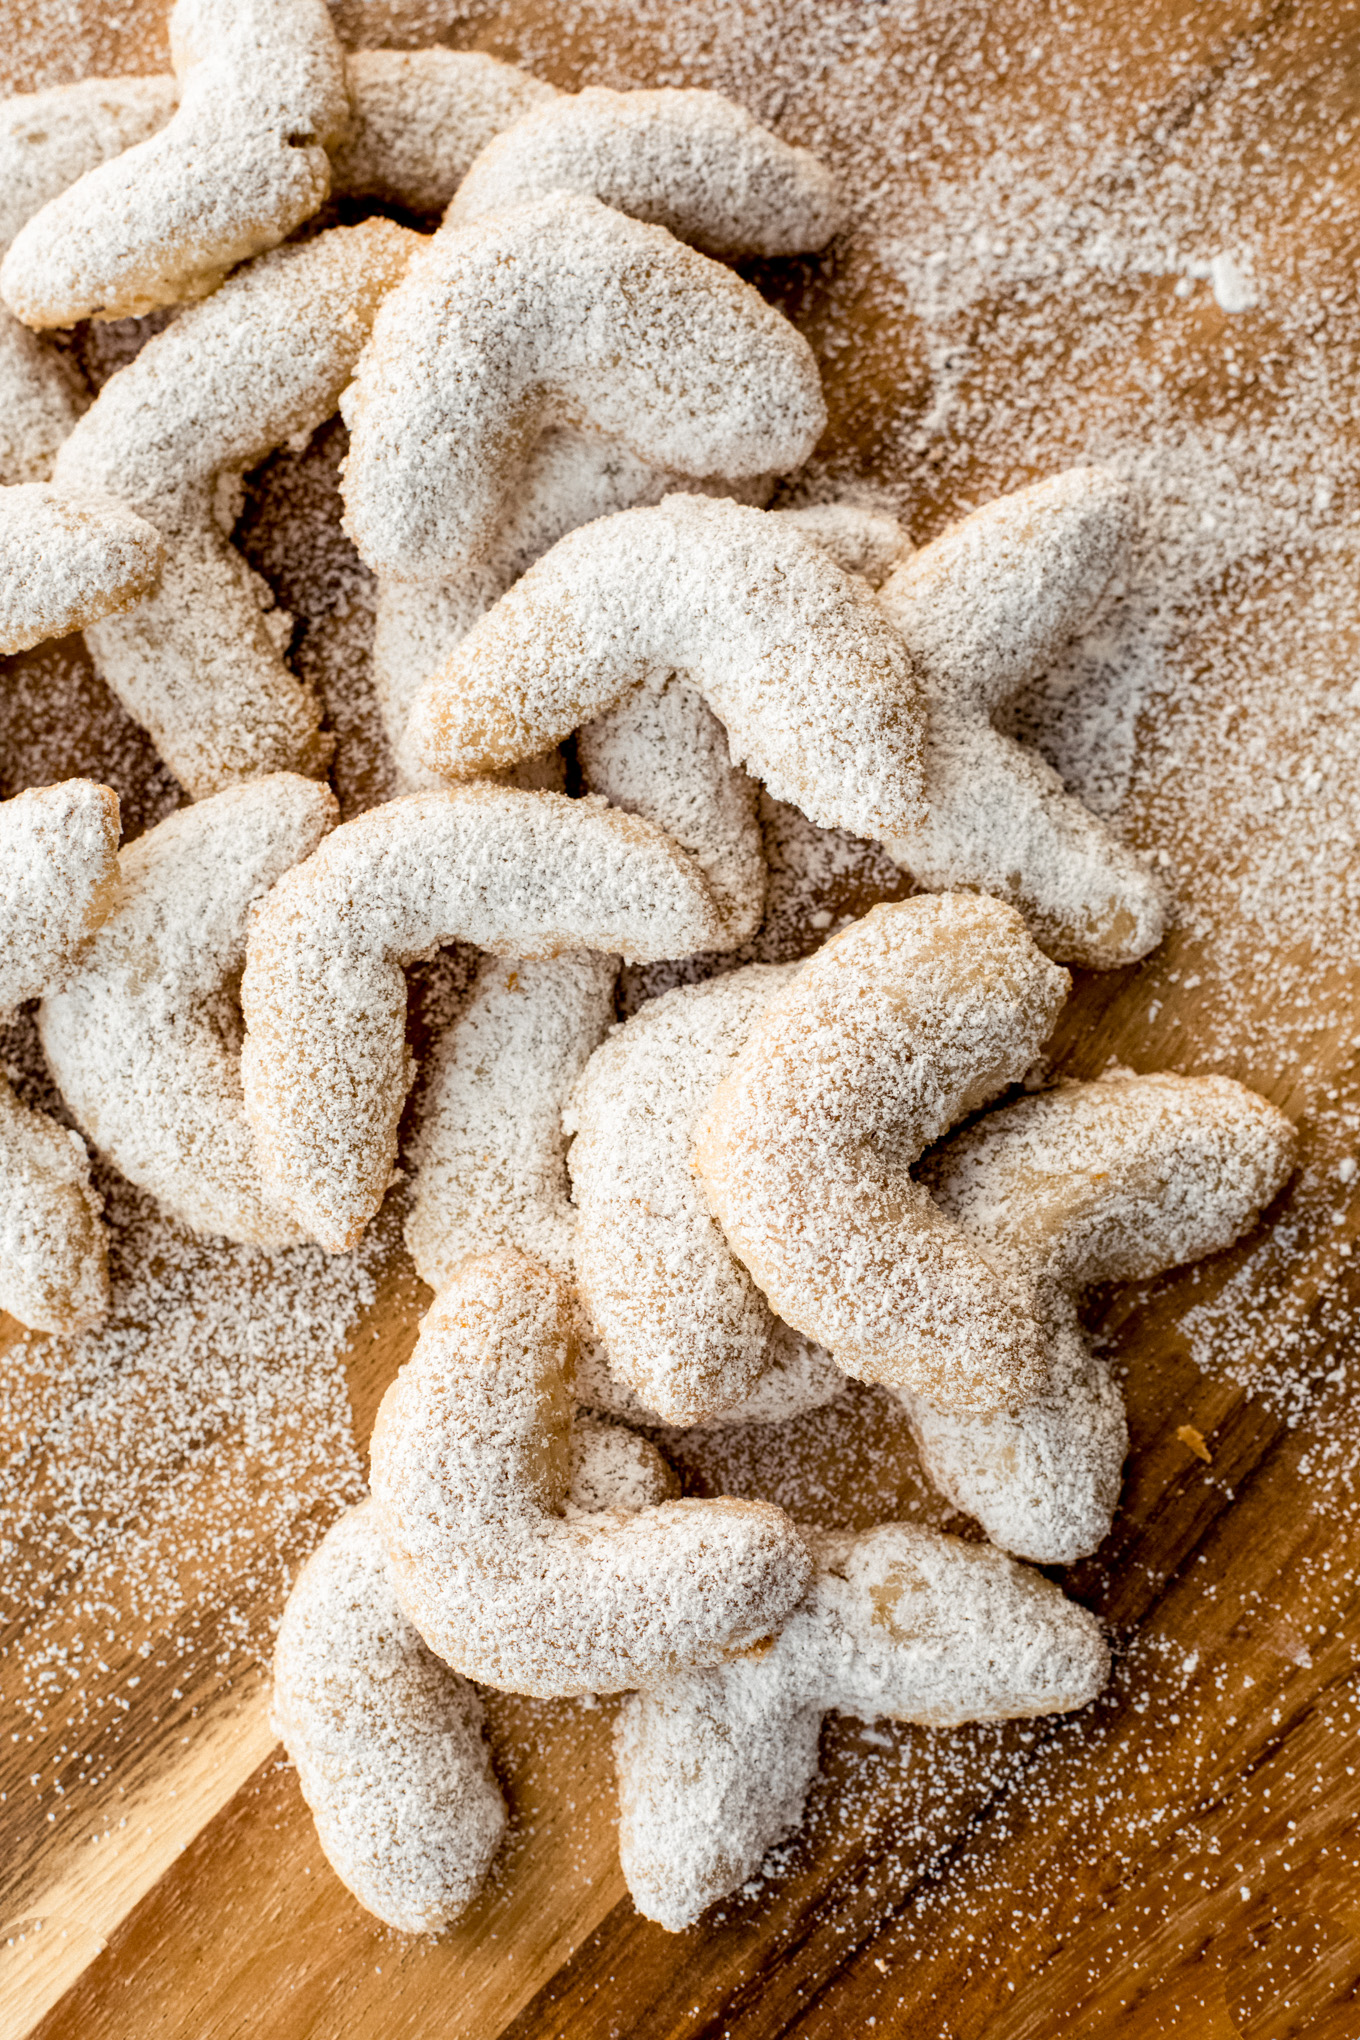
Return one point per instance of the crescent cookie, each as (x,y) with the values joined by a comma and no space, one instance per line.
(241,163)
(58,882)
(694,162)
(559,312)
(470,1468)
(815,690)
(47,140)
(894,1031)
(490,1156)
(985,608)
(140,1035)
(899,1622)
(200,664)
(66,560)
(1110,1181)
(325,1065)
(420,119)
(684,1326)
(388,1741)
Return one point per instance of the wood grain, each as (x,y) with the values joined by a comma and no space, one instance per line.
(1181,1860)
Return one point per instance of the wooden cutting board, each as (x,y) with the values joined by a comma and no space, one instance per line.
(1182,1859)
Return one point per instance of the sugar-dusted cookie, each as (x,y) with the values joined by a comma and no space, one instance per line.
(49,139)
(241,164)
(816,691)
(522,874)
(40,400)
(387,1740)
(490,1157)
(420,118)
(985,608)
(714,1766)
(663,753)
(200,664)
(68,559)
(58,883)
(1092,1182)
(683,1324)
(895,1030)
(143,1035)
(559,312)
(692,161)
(470,1468)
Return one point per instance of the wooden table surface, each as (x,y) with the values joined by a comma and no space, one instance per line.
(1182,1858)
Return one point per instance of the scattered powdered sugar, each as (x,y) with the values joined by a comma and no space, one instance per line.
(172,1459)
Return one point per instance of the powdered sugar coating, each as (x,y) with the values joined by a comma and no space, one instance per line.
(692,161)
(985,608)
(860,541)
(898,1027)
(67,560)
(144,1037)
(58,881)
(522,874)
(387,1740)
(264,360)
(663,753)
(470,1468)
(569,478)
(421,117)
(40,400)
(241,163)
(1108,1181)
(683,1325)
(559,312)
(53,1260)
(815,690)
(611,1468)
(49,139)
(490,1156)
(900,1622)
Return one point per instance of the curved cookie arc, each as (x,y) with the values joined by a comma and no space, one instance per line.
(240,164)
(143,1037)
(896,1029)
(898,1623)
(691,161)
(562,312)
(200,662)
(58,883)
(470,1467)
(985,608)
(816,692)
(68,560)
(1093,1182)
(387,1740)
(325,1063)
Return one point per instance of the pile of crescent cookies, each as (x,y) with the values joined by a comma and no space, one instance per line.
(566,415)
